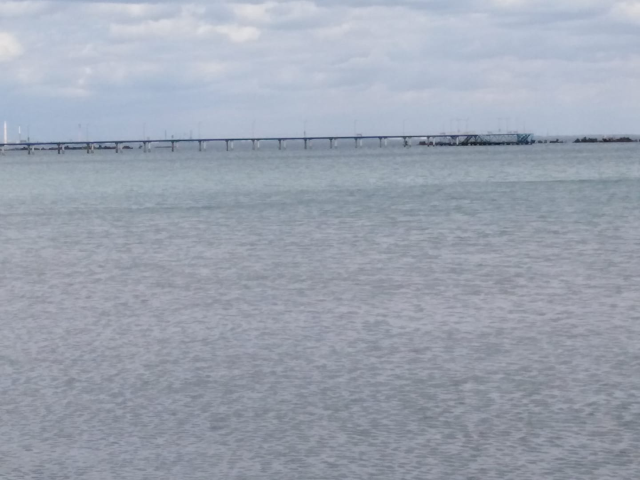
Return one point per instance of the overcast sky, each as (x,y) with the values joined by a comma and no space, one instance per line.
(227,68)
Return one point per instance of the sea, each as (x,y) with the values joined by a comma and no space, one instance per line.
(352,314)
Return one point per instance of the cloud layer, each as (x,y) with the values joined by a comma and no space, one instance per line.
(562,66)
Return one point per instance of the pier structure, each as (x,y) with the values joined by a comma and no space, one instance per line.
(383,140)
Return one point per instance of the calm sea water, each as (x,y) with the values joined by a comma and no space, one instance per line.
(462,313)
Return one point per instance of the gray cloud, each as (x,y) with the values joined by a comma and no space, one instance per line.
(562,66)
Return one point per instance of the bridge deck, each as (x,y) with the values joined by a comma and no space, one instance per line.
(453,139)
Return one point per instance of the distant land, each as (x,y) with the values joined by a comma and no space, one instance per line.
(588,139)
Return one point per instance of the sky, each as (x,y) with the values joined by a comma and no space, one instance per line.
(118,69)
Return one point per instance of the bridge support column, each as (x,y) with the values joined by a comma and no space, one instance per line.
(306,144)
(255,144)
(30,150)
(202,146)
(173,146)
(146,147)
(383,142)
(89,147)
(407,142)
(282,144)
(332,143)
(60,149)
(118,148)
(229,145)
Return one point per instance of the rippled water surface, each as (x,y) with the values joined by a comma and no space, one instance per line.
(452,313)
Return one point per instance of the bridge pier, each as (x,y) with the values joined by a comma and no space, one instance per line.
(383,142)
(229,145)
(146,147)
(306,144)
(333,143)
(282,144)
(407,142)
(90,148)
(255,144)
(30,150)
(118,148)
(60,149)
(173,146)
(202,146)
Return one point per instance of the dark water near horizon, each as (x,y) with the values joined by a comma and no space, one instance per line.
(453,313)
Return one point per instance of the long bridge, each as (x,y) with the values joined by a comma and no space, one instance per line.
(462,139)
